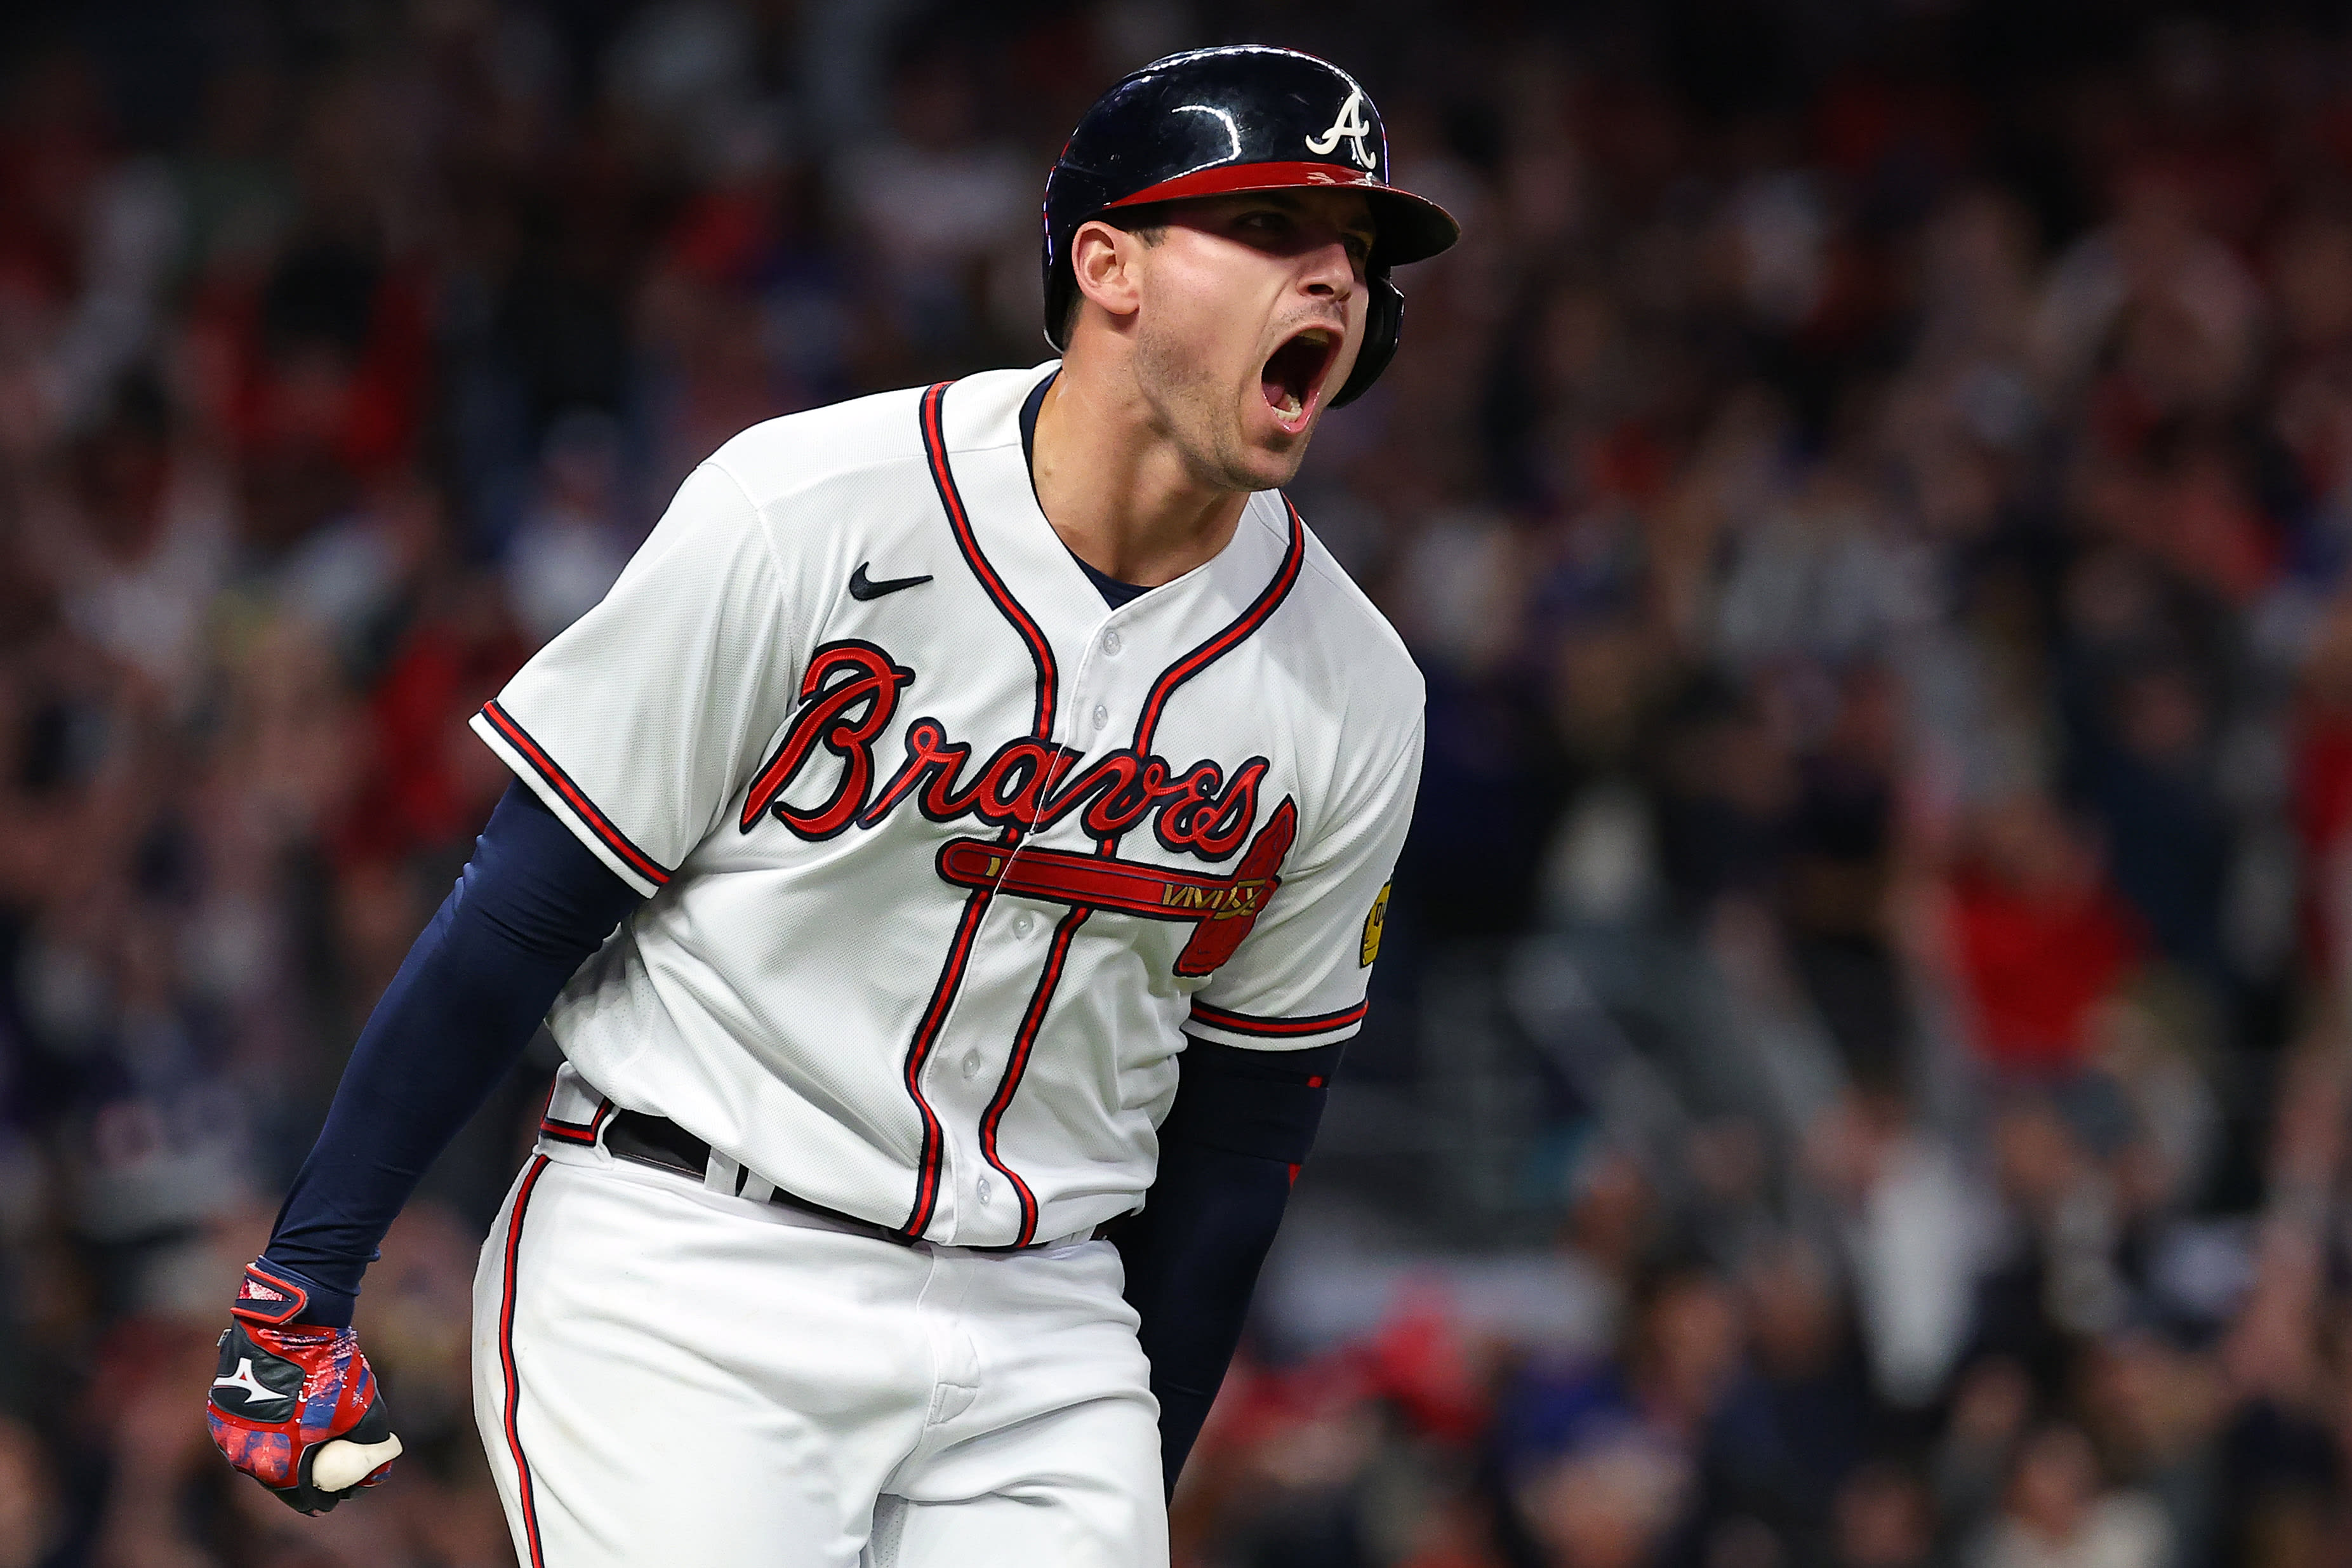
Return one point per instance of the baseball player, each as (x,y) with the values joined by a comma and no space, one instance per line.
(951,860)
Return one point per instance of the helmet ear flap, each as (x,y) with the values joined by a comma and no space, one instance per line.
(1383,326)
(1061,287)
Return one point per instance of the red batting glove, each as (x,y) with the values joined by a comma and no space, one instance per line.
(295,1405)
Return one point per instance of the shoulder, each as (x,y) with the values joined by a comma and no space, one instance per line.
(871,448)
(818,449)
(984,410)
(1366,661)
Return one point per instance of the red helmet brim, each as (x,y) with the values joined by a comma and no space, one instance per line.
(1411,227)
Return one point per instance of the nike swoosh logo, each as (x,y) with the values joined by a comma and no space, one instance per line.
(861,586)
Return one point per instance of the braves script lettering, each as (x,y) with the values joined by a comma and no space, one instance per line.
(847,699)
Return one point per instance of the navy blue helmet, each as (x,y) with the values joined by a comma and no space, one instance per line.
(1220,121)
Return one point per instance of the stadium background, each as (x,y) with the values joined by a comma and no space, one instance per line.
(1858,1076)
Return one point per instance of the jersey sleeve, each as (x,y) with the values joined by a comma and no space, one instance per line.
(643,719)
(1299,977)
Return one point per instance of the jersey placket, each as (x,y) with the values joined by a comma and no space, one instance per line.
(1080,720)
(1087,722)
(942,1007)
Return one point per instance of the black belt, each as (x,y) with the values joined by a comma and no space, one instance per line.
(659,1142)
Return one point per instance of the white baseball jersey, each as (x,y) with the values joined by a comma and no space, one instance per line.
(944,856)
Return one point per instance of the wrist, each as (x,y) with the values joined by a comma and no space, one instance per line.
(275,1296)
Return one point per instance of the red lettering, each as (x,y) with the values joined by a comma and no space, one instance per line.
(1002,798)
(1117,791)
(1210,823)
(1195,790)
(1102,783)
(932,764)
(846,699)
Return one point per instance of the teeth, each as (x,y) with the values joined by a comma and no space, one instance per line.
(1289,405)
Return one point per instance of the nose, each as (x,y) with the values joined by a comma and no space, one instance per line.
(1328,272)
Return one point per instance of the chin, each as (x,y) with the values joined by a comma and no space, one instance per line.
(1268,466)
(1279,471)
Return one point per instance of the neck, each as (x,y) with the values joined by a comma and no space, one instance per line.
(1115,487)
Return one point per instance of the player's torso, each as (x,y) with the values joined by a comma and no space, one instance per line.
(932,966)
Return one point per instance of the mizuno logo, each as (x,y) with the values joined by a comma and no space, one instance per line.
(255,1390)
(863,587)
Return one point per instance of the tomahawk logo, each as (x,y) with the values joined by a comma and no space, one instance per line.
(1351,125)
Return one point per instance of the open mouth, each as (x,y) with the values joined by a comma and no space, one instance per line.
(1293,377)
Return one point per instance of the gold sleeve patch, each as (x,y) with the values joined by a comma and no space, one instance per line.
(1374,918)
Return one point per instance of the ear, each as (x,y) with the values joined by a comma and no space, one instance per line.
(1105,262)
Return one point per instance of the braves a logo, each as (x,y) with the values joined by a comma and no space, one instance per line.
(1352,126)
(847,699)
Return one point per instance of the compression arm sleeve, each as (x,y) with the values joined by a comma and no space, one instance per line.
(1242,1123)
(531,906)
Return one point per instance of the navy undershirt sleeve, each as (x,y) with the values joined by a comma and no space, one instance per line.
(1242,1123)
(531,906)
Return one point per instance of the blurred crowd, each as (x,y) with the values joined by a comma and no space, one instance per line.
(1871,495)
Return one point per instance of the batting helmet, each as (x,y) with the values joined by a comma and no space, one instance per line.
(1219,122)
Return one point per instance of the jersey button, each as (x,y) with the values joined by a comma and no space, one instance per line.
(986,1192)
(1022,924)
(1112,642)
(1102,715)
(972,1064)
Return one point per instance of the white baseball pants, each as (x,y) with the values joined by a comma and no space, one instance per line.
(668,1376)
